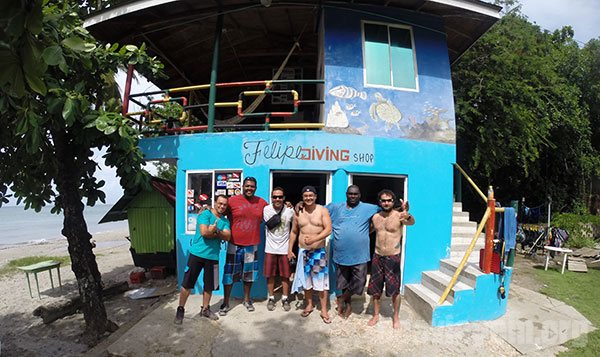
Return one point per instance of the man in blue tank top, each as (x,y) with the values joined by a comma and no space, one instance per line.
(351,246)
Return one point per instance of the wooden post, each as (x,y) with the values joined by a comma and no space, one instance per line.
(489,233)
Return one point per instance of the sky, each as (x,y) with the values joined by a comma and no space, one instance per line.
(582,15)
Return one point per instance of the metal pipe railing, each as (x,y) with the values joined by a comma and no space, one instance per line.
(464,260)
(488,221)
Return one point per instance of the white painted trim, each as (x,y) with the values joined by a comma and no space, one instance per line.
(121,10)
(470,6)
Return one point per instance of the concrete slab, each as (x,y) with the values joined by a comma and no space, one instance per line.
(536,323)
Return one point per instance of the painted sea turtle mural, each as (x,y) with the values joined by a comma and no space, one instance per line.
(383,109)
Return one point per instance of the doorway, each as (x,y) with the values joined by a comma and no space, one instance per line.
(370,185)
(293,181)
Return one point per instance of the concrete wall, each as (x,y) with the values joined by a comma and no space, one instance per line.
(427,166)
(352,106)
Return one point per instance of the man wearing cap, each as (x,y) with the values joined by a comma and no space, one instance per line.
(242,260)
(311,226)
(351,246)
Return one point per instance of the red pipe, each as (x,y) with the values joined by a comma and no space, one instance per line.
(125,107)
(489,233)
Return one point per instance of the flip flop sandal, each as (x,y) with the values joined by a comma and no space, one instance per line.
(305,313)
(326,320)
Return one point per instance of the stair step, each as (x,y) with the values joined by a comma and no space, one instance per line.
(467,234)
(465,240)
(467,224)
(457,206)
(463,247)
(468,275)
(460,217)
(437,281)
(422,299)
(470,229)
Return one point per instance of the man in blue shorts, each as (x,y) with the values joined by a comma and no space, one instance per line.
(211,228)
(351,246)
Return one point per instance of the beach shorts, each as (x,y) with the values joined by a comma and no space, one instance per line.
(276,265)
(312,270)
(194,267)
(351,278)
(241,264)
(384,269)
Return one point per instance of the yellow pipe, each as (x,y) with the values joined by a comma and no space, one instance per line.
(189,88)
(253,92)
(226,104)
(134,113)
(472,183)
(465,258)
(296,126)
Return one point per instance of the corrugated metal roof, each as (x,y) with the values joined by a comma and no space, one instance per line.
(118,212)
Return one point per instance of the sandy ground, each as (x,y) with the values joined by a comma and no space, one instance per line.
(23,334)
(261,333)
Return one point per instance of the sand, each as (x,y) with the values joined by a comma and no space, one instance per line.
(23,334)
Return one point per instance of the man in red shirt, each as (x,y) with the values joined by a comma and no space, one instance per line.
(242,260)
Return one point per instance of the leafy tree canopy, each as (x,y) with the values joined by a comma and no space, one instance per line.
(523,118)
(59,100)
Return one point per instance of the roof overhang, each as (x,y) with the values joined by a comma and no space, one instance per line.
(257,38)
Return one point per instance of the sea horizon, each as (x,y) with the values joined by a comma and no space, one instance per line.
(22,227)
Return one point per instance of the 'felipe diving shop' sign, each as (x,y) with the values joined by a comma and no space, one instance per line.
(276,152)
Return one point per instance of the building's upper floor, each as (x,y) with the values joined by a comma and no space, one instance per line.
(377,68)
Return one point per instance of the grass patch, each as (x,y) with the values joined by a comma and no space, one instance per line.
(11,266)
(582,291)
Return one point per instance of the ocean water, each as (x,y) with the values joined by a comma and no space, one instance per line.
(20,226)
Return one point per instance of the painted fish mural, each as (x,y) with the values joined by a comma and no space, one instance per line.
(344,92)
(386,111)
(336,118)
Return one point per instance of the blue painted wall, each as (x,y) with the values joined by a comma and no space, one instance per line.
(353,107)
(427,166)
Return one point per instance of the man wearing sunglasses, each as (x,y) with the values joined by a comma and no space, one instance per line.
(385,266)
(242,259)
(278,220)
(351,246)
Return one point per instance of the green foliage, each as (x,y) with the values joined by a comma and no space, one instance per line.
(11,266)
(523,122)
(580,228)
(166,171)
(58,96)
(580,291)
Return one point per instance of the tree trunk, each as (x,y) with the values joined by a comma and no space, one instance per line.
(83,260)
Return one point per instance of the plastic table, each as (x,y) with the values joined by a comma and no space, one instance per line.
(565,252)
(40,267)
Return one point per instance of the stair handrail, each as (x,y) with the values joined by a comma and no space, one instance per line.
(465,258)
(460,169)
(490,213)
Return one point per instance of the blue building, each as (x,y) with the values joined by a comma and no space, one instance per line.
(326,93)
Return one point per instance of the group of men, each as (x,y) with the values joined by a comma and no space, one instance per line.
(309,224)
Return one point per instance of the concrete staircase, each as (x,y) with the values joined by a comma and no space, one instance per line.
(467,299)
(463,232)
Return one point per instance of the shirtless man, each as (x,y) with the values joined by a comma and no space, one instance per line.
(311,226)
(385,266)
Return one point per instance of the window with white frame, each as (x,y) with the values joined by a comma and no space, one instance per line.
(203,186)
(389,56)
